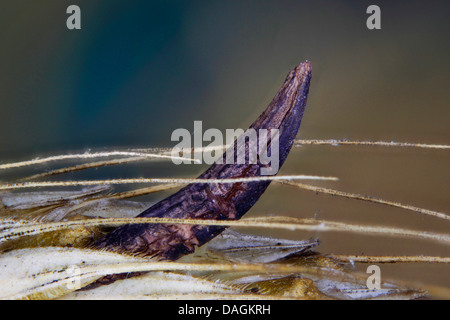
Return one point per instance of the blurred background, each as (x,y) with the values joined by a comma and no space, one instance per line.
(137,70)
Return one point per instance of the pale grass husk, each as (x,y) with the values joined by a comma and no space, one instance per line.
(34,231)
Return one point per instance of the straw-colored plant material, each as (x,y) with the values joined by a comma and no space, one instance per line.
(88,155)
(166,153)
(121,195)
(23,185)
(161,285)
(58,272)
(391,259)
(34,199)
(51,272)
(84,166)
(238,247)
(329,142)
(349,195)
(143,191)
(286,223)
(39,230)
(343,142)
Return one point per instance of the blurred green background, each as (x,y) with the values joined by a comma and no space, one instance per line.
(137,70)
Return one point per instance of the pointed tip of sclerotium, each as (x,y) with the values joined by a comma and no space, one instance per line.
(305,66)
(301,71)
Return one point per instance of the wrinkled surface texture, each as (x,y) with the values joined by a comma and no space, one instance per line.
(216,201)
